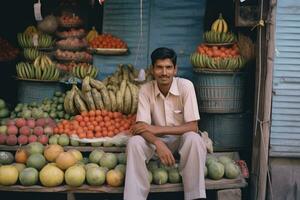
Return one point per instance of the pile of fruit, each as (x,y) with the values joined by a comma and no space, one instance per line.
(52,166)
(95,124)
(31,54)
(220,52)
(69,20)
(217,168)
(37,40)
(7,51)
(118,97)
(71,43)
(4,111)
(82,70)
(107,41)
(218,57)
(219,32)
(77,33)
(22,131)
(79,56)
(52,107)
(42,69)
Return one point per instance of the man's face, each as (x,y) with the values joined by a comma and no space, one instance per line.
(164,71)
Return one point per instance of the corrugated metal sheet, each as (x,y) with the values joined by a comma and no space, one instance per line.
(176,24)
(285,129)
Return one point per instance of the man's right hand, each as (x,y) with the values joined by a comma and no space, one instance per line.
(164,153)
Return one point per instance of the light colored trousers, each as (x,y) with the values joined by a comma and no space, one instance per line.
(192,152)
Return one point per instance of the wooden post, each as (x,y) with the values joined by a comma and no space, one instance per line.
(230,194)
(70,196)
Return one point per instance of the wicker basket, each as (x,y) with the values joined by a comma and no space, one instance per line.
(220,92)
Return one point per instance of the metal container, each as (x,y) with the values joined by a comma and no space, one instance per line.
(220,92)
(228,131)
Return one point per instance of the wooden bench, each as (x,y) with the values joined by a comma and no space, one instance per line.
(226,189)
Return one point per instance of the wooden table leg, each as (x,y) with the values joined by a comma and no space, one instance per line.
(70,196)
(229,194)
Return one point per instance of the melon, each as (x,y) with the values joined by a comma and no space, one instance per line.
(29,176)
(224,160)
(121,168)
(35,147)
(36,161)
(8,175)
(77,154)
(114,178)
(21,156)
(96,155)
(63,140)
(74,143)
(109,160)
(122,158)
(75,176)
(210,159)
(65,160)
(152,165)
(95,176)
(6,157)
(52,151)
(20,166)
(205,171)
(232,171)
(174,176)
(215,170)
(51,175)
(90,165)
(160,176)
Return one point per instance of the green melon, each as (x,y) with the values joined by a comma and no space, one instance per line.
(29,176)
(160,176)
(35,148)
(109,160)
(122,158)
(121,167)
(95,176)
(6,157)
(75,176)
(174,176)
(224,160)
(215,170)
(36,161)
(96,155)
(232,171)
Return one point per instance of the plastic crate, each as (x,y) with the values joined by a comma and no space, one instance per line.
(220,92)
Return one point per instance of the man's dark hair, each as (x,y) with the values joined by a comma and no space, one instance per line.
(163,53)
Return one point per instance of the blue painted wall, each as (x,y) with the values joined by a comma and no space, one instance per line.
(285,128)
(175,24)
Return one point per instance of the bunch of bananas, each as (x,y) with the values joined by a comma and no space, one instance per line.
(31,30)
(32,53)
(27,70)
(205,62)
(219,25)
(35,40)
(43,62)
(82,71)
(91,34)
(218,37)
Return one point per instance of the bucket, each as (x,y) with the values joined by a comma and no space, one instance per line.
(220,92)
(35,91)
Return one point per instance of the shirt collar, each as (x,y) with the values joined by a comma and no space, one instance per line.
(173,90)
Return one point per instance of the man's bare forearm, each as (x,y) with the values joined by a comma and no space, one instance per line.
(177,130)
(149,137)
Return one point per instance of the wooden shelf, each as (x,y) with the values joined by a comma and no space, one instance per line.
(80,148)
(210,185)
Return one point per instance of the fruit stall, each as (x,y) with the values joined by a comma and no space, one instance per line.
(64,127)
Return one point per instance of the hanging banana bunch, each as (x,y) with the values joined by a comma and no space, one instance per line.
(91,34)
(220,25)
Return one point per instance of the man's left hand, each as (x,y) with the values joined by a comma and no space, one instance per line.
(139,128)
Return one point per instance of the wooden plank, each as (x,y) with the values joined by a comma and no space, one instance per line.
(70,196)
(210,185)
(231,194)
(80,148)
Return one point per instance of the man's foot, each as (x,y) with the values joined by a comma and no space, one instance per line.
(207,141)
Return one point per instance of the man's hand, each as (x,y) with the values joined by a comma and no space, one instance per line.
(141,127)
(164,153)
